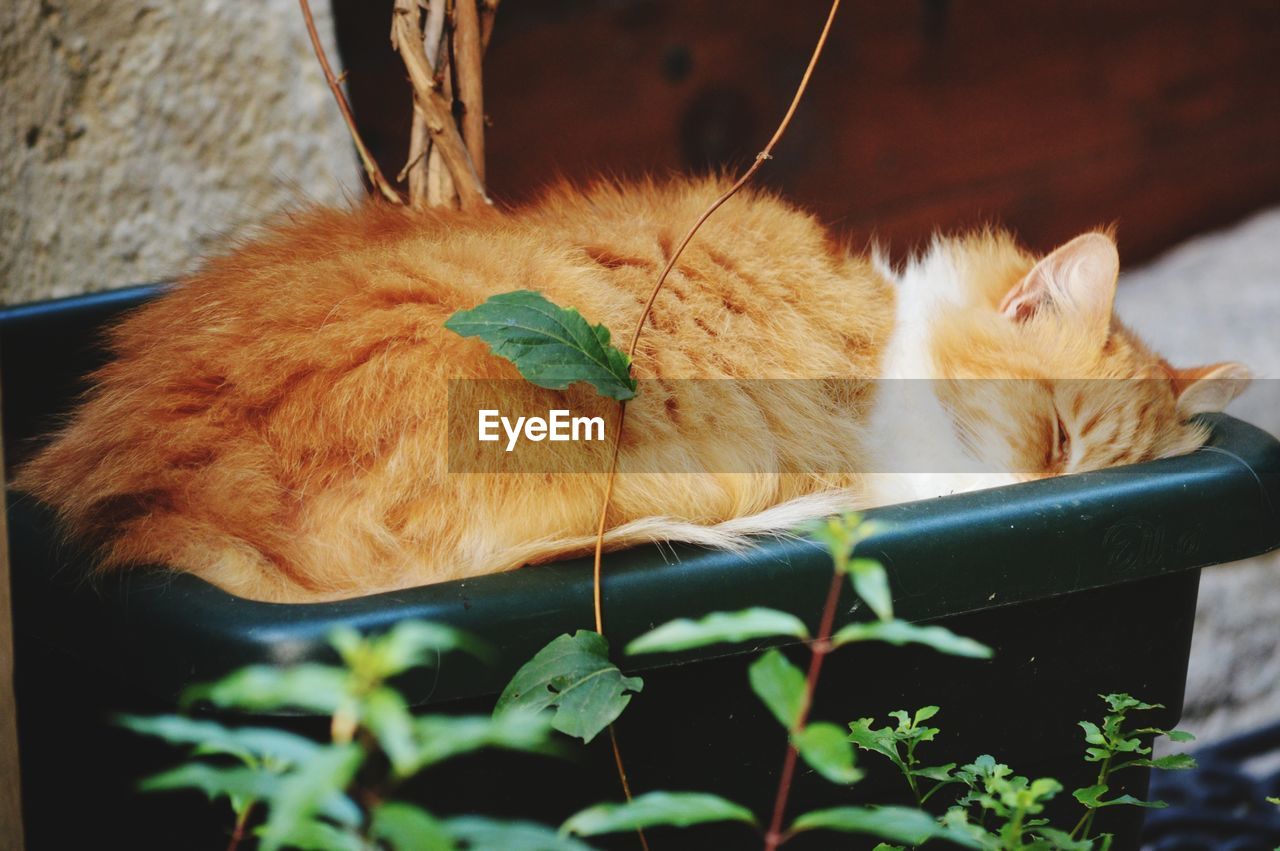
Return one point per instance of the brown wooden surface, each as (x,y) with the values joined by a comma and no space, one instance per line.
(1051,117)
(10,798)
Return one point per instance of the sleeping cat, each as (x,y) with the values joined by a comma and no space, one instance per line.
(277,423)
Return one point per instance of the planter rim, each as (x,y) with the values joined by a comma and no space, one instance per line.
(947,556)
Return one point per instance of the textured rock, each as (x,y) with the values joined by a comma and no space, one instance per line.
(1215,298)
(138,135)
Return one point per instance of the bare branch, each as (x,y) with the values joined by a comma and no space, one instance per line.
(407,39)
(370,165)
(467,53)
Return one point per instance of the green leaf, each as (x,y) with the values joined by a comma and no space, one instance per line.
(1172,762)
(872,584)
(900,632)
(1091,797)
(312,835)
(574,676)
(235,782)
(321,689)
(1275,801)
(249,744)
(552,346)
(314,787)
(409,644)
(384,713)
(924,713)
(440,737)
(896,824)
(826,749)
(780,685)
(1122,703)
(941,773)
(405,827)
(1060,840)
(1092,734)
(675,809)
(716,628)
(882,741)
(477,833)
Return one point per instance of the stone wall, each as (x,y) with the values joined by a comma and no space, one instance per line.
(137,136)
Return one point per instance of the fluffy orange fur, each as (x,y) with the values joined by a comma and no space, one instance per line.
(277,424)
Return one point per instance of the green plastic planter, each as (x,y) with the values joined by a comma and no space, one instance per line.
(1083,585)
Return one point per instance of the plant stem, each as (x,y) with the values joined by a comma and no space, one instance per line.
(237,835)
(1086,820)
(818,651)
(468,51)
(370,165)
(407,39)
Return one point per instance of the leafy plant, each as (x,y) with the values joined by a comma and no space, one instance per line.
(289,791)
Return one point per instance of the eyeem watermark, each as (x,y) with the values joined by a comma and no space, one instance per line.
(557,425)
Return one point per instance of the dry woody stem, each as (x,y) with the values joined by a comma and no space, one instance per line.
(437,110)
(376,178)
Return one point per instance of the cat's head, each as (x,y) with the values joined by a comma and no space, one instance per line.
(1039,376)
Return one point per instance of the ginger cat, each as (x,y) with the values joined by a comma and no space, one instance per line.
(277,425)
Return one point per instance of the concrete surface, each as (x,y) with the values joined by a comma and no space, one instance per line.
(136,135)
(1217,298)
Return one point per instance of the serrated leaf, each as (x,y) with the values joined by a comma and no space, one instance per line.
(1121,702)
(827,751)
(249,744)
(896,824)
(321,689)
(899,632)
(551,346)
(780,685)
(1092,734)
(872,584)
(882,741)
(573,676)
(405,827)
(717,628)
(1091,797)
(477,833)
(674,809)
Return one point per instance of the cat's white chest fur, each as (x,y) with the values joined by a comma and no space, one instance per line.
(914,447)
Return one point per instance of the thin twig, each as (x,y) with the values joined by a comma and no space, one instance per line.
(488,13)
(440,188)
(467,52)
(644,315)
(370,165)
(407,39)
(818,652)
(415,166)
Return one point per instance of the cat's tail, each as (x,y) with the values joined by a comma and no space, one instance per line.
(784,520)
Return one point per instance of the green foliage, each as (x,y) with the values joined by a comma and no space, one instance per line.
(899,632)
(897,824)
(826,749)
(289,791)
(552,346)
(675,809)
(298,791)
(717,628)
(573,676)
(780,685)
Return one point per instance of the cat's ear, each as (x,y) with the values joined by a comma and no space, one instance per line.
(1077,279)
(1205,389)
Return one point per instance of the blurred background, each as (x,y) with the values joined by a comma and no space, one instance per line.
(139,136)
